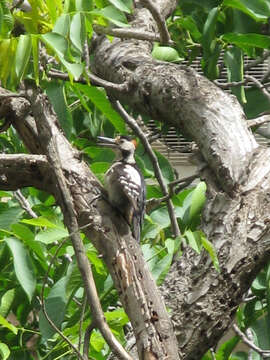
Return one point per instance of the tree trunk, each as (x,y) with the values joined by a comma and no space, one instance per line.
(236,216)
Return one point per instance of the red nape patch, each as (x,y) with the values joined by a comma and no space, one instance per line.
(134,141)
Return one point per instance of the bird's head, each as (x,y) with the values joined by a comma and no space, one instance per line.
(125,144)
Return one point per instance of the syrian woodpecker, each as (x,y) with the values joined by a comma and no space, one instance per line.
(125,184)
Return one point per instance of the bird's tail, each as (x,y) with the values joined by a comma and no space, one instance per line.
(136,228)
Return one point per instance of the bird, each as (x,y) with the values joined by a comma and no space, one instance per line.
(125,183)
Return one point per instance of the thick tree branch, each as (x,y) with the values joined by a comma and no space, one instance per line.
(18,171)
(235,219)
(51,143)
(109,232)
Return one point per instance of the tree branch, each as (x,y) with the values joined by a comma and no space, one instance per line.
(21,170)
(126,33)
(264,353)
(47,130)
(161,24)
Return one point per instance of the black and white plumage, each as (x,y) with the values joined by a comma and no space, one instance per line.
(125,184)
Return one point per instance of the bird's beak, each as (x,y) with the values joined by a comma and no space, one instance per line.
(104,141)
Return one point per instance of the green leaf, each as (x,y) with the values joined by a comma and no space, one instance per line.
(40,221)
(100,100)
(197,200)
(259,10)
(55,305)
(9,215)
(77,31)
(247,40)
(23,233)
(193,240)
(8,325)
(6,302)
(4,351)
(23,266)
(210,249)
(100,167)
(233,59)
(125,6)
(84,5)
(113,15)
(62,25)
(35,52)
(166,168)
(22,57)
(161,217)
(166,53)
(56,95)
(56,42)
(50,236)
(209,30)
(226,349)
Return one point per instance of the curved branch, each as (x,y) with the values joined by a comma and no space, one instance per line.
(21,170)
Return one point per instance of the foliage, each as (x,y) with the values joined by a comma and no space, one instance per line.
(214,29)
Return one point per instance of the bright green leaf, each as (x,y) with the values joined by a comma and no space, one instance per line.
(210,249)
(62,25)
(35,52)
(259,10)
(121,5)
(193,240)
(6,302)
(40,221)
(77,31)
(247,40)
(100,167)
(166,53)
(50,235)
(113,15)
(209,30)
(8,325)
(197,200)
(4,351)
(56,42)
(23,266)
(233,59)
(23,53)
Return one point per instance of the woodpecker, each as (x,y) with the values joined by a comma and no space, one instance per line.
(125,184)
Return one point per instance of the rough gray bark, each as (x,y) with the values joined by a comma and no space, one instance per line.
(235,217)
(108,232)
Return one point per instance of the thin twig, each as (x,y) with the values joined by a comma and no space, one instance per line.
(132,33)
(24,203)
(138,131)
(95,80)
(257,61)
(86,341)
(81,321)
(229,85)
(161,23)
(264,353)
(259,85)
(262,119)
(43,307)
